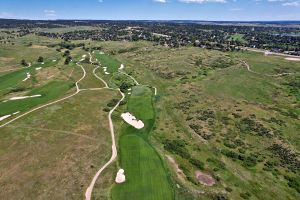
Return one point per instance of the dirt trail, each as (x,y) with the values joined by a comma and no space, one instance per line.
(270,75)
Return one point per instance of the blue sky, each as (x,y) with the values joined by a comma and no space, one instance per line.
(152,9)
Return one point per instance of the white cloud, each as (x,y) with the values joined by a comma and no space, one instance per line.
(287,2)
(50,13)
(293,3)
(100,1)
(160,1)
(203,1)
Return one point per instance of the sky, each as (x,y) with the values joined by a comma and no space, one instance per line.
(216,10)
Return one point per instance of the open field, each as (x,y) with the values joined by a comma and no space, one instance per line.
(212,114)
(44,158)
(226,95)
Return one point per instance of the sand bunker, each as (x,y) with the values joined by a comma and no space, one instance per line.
(107,73)
(39,47)
(4,117)
(83,57)
(7,116)
(130,119)
(24,97)
(120,178)
(38,68)
(293,59)
(205,179)
(28,75)
(122,66)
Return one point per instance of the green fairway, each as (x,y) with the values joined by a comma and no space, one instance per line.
(14,79)
(146,177)
(49,92)
(108,61)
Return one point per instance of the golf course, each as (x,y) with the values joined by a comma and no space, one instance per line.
(92,119)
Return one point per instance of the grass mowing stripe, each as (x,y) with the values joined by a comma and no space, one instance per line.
(146,177)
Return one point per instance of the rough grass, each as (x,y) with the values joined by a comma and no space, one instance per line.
(53,153)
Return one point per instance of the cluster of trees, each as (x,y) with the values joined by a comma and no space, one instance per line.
(219,37)
(278,37)
(287,158)
(248,125)
(248,160)
(178,147)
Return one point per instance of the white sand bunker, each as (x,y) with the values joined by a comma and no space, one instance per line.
(122,66)
(130,119)
(7,116)
(4,117)
(83,57)
(38,68)
(120,178)
(24,97)
(28,75)
(293,59)
(101,52)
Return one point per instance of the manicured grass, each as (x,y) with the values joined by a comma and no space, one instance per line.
(144,170)
(49,92)
(13,79)
(108,61)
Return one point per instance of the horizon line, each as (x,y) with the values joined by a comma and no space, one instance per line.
(199,20)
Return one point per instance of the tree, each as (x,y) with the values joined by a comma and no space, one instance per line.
(40,59)
(66,53)
(68,60)
(23,62)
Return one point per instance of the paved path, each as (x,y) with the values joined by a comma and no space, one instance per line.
(114,154)
(271,53)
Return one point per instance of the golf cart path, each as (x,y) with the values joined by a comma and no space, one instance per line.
(51,103)
(269,75)
(114,154)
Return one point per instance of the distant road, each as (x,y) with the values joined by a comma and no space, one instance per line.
(271,53)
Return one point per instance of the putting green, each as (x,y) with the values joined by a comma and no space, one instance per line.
(146,177)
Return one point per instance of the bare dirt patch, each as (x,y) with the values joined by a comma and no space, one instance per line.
(293,59)
(179,172)
(6,59)
(38,47)
(205,179)
(46,74)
